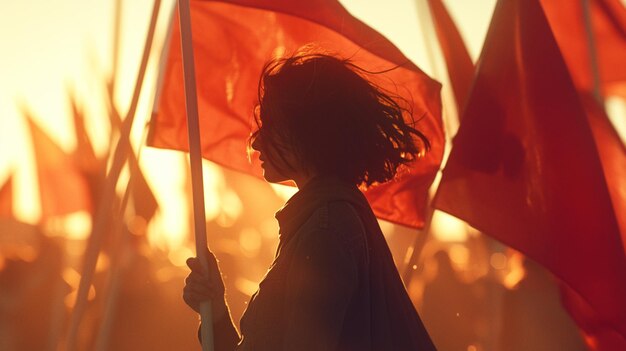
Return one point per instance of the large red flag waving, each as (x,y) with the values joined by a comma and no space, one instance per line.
(613,157)
(525,169)
(232,41)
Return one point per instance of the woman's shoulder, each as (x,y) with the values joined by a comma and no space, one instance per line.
(336,222)
(343,217)
(335,216)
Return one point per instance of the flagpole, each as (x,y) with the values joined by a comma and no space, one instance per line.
(121,241)
(108,194)
(418,246)
(425,18)
(593,54)
(195,156)
(434,55)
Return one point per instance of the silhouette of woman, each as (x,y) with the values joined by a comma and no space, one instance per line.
(333,284)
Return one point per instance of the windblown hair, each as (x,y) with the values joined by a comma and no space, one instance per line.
(334,119)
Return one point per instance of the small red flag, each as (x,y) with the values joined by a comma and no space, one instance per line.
(525,169)
(90,166)
(62,187)
(233,40)
(6,198)
(144,201)
(85,156)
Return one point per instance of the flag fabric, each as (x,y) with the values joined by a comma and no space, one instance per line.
(608,29)
(524,167)
(144,201)
(458,61)
(613,158)
(234,39)
(84,154)
(93,168)
(62,187)
(6,198)
(612,154)
(89,165)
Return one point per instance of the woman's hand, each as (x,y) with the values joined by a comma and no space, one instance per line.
(201,286)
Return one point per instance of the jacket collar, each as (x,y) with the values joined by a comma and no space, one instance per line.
(316,193)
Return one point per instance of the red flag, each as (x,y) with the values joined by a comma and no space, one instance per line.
(62,187)
(608,25)
(613,157)
(524,167)
(93,168)
(144,201)
(90,166)
(458,61)
(233,42)
(84,154)
(6,198)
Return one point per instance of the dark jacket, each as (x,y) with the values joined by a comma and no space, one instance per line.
(333,284)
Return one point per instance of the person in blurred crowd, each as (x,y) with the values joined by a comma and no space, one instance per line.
(449,307)
(333,284)
(533,317)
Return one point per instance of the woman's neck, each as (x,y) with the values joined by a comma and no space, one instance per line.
(302,179)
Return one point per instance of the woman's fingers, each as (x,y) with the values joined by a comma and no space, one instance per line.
(194,277)
(199,294)
(202,285)
(204,295)
(195,265)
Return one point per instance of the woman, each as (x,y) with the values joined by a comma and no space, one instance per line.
(333,284)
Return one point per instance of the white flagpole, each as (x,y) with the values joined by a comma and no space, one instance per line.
(108,194)
(193,129)
(430,44)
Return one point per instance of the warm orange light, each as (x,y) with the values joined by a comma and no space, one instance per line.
(616,110)
(103,263)
(245,286)
(283,191)
(459,254)
(71,277)
(166,274)
(498,260)
(250,242)
(516,270)
(447,228)
(178,256)
(409,253)
(70,299)
(78,225)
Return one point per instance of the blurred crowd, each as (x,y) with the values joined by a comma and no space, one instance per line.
(473,293)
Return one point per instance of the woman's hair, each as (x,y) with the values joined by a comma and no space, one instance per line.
(334,119)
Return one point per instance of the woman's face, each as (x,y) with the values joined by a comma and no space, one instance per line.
(273,173)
